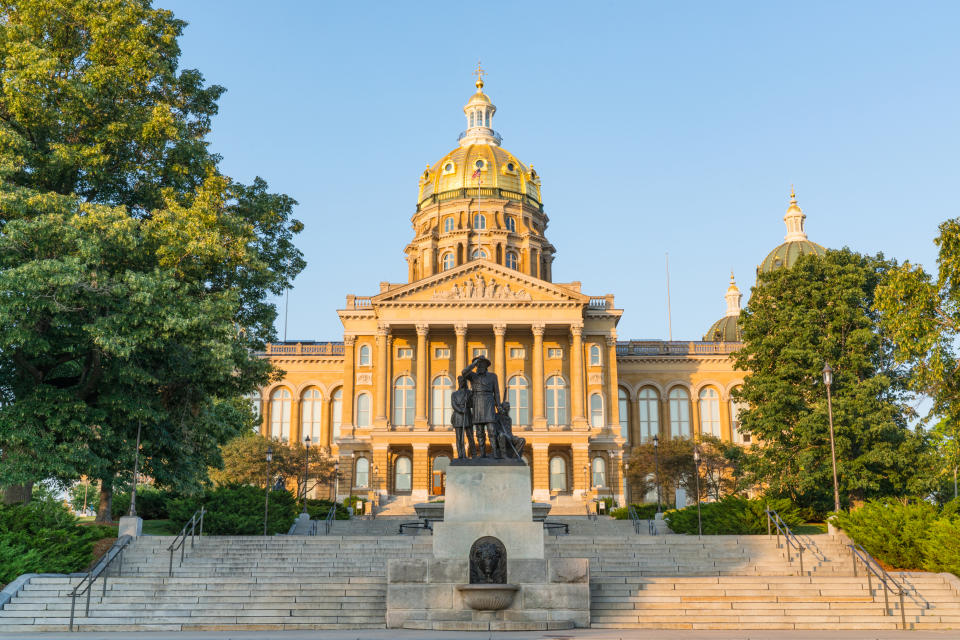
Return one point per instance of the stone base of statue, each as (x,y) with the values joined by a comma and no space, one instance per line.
(488,571)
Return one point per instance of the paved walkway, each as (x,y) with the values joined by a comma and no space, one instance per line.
(573,634)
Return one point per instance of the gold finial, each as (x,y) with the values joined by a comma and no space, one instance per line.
(793,195)
(732,281)
(480,72)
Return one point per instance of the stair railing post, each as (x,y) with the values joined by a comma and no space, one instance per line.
(789,554)
(886,598)
(89,589)
(768,522)
(73,606)
(903,613)
(801,559)
(170,575)
(202,511)
(870,588)
(853,556)
(103,594)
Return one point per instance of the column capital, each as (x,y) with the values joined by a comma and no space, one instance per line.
(538,328)
(611,340)
(383,329)
(349,340)
(500,328)
(576,329)
(541,446)
(460,328)
(423,328)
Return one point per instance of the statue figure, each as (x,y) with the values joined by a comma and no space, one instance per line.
(461,401)
(511,445)
(481,287)
(468,289)
(486,399)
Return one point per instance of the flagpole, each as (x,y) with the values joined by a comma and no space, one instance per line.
(669,319)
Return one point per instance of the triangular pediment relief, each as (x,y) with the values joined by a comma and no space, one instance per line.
(480,281)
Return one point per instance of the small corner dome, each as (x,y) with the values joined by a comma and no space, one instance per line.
(726,329)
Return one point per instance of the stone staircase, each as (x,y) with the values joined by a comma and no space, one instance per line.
(228,583)
(339,582)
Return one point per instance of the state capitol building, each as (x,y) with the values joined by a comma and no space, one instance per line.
(480,283)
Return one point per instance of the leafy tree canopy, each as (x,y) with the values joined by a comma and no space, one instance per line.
(822,311)
(134,273)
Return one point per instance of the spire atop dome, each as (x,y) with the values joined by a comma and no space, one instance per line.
(794,219)
(733,297)
(479,112)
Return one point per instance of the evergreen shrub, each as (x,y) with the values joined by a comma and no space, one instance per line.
(733,515)
(896,534)
(236,510)
(644,512)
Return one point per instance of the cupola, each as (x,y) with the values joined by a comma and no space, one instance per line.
(795,242)
(727,328)
(479,111)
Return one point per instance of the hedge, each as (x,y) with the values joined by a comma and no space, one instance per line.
(234,510)
(42,536)
(644,512)
(732,516)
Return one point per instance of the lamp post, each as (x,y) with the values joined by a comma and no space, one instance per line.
(306,477)
(336,480)
(136,461)
(626,483)
(696,462)
(612,455)
(266,498)
(656,457)
(828,382)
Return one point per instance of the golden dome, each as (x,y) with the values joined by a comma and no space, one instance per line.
(795,242)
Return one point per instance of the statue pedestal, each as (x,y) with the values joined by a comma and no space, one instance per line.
(484,500)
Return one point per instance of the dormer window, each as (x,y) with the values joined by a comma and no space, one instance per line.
(511,224)
(479,221)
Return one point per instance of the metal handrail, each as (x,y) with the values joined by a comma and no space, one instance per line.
(634,518)
(116,551)
(652,527)
(180,541)
(858,552)
(788,536)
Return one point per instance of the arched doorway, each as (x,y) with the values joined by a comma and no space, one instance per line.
(438,482)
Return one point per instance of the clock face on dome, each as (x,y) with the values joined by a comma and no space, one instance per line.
(479,164)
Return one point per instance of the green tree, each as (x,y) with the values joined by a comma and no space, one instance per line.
(138,274)
(818,311)
(921,312)
(675,463)
(245,462)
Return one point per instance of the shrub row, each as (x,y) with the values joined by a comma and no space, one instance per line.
(236,510)
(907,536)
(42,536)
(644,512)
(732,516)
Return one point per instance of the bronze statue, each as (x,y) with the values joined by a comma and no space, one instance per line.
(461,401)
(511,445)
(486,399)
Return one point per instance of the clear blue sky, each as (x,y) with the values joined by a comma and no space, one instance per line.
(655,126)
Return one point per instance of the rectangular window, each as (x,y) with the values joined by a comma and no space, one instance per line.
(555,353)
(480,351)
(441,353)
(517,354)
(405,353)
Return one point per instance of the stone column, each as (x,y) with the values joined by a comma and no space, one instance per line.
(499,357)
(614,389)
(382,384)
(423,384)
(296,424)
(389,376)
(576,375)
(379,477)
(620,489)
(461,350)
(421,471)
(539,417)
(541,477)
(325,439)
(346,416)
(581,479)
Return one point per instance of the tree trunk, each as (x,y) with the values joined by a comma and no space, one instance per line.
(17,493)
(106,501)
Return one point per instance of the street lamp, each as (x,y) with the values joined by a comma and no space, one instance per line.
(656,457)
(612,455)
(306,477)
(336,480)
(828,381)
(696,462)
(266,498)
(136,460)
(626,483)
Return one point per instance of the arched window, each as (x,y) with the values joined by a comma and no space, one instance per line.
(449,261)
(623,404)
(471,118)
(448,224)
(511,224)
(710,412)
(648,413)
(365,355)
(442,411)
(404,391)
(596,410)
(517,395)
(336,414)
(310,411)
(362,480)
(363,410)
(735,409)
(594,355)
(402,474)
(256,405)
(512,261)
(477,254)
(599,472)
(280,414)
(679,413)
(479,221)
(556,401)
(558,474)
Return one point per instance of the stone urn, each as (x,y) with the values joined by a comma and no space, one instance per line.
(488,597)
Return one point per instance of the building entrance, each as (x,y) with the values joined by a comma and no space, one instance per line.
(439,482)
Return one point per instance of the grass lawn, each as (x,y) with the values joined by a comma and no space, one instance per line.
(159,528)
(810,528)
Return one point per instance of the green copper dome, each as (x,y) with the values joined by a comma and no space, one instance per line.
(726,329)
(787,254)
(795,243)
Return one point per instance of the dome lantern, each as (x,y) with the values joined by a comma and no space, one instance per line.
(794,220)
(795,242)
(733,298)
(479,112)
(727,328)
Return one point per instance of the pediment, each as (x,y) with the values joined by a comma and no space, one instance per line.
(480,281)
